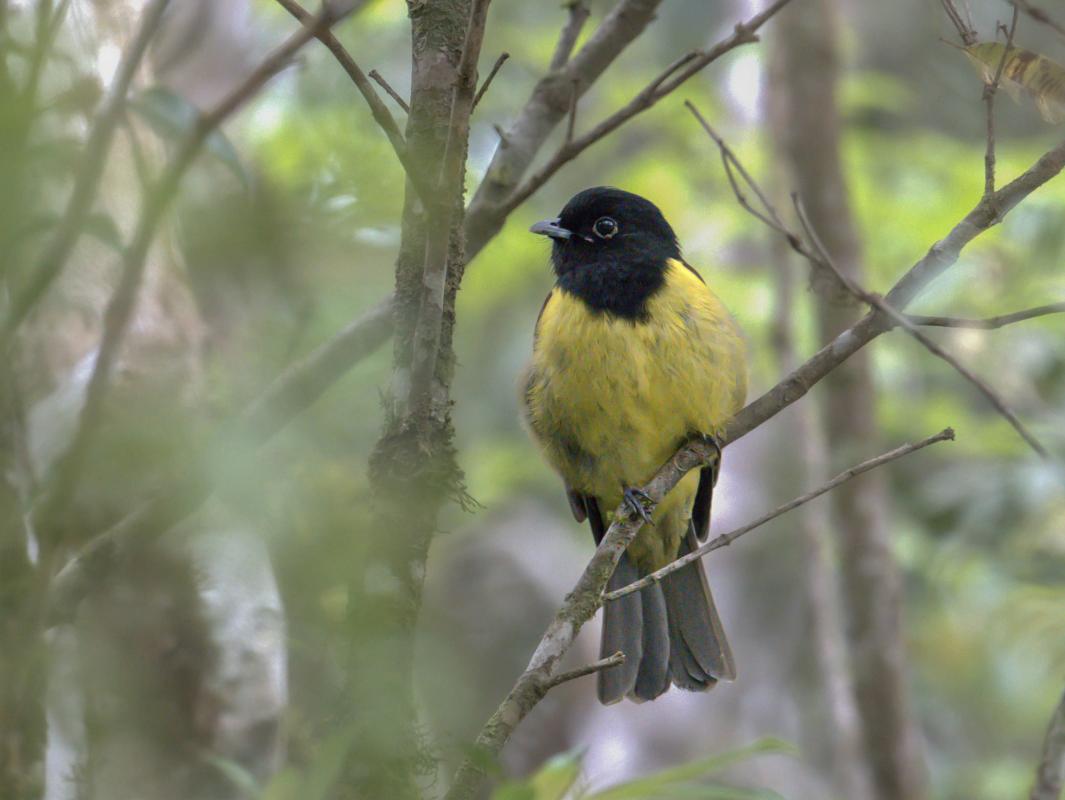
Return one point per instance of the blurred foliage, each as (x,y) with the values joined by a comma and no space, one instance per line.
(280,262)
(559,778)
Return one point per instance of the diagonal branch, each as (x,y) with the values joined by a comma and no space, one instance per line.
(579,607)
(900,319)
(120,307)
(818,256)
(546,107)
(667,81)
(726,539)
(571,31)
(87,182)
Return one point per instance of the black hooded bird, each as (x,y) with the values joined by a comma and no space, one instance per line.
(633,355)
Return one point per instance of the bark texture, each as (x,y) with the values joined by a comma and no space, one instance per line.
(810,138)
(413,471)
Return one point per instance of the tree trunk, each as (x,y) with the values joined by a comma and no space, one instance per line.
(809,138)
(413,471)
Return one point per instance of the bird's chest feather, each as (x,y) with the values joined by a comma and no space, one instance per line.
(610,399)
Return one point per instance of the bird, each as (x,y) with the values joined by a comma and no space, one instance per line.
(633,355)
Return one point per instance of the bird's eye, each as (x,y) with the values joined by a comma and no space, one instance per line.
(605,228)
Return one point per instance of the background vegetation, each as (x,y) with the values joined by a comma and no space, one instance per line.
(289,226)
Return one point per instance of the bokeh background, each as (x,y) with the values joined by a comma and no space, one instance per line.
(218,659)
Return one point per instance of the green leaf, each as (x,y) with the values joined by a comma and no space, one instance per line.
(316,781)
(557,776)
(677,782)
(235,773)
(551,782)
(171,116)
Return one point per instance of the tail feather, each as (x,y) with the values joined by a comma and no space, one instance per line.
(622,630)
(669,632)
(699,652)
(653,677)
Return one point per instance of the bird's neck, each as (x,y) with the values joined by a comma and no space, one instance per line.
(621,288)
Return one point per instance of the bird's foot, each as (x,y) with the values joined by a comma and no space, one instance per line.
(638,501)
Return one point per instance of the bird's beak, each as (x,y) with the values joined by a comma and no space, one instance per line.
(551,228)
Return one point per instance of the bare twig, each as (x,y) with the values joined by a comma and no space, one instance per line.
(120,307)
(87,182)
(963,25)
(380,111)
(668,80)
(900,319)
(290,393)
(725,539)
(598,666)
(1040,16)
(491,76)
(579,607)
(819,257)
(990,323)
(571,31)
(990,90)
(449,187)
(1050,776)
(380,80)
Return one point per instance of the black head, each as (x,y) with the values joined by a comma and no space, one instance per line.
(610,248)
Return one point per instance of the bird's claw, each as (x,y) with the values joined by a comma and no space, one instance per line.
(713,441)
(637,501)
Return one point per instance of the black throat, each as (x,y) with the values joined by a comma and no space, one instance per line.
(620,287)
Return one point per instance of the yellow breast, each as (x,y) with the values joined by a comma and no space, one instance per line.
(609,399)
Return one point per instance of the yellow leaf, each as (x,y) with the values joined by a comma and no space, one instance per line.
(1039,77)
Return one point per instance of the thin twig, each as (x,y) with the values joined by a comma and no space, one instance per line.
(546,108)
(1050,776)
(817,255)
(964,26)
(990,323)
(120,308)
(571,31)
(1040,16)
(597,666)
(900,319)
(380,80)
(990,90)
(667,81)
(726,539)
(378,109)
(87,182)
(491,76)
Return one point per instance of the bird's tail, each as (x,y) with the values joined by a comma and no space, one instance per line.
(667,631)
